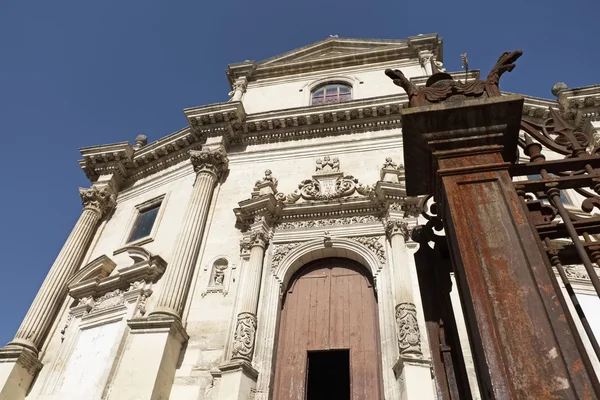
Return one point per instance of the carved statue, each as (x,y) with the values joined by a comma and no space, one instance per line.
(319,167)
(335,166)
(219,277)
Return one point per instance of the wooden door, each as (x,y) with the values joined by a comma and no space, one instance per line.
(329,305)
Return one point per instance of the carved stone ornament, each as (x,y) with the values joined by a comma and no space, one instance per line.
(245,333)
(210,161)
(576,272)
(364,219)
(409,337)
(245,247)
(374,245)
(327,184)
(281,251)
(268,178)
(389,164)
(397,227)
(108,300)
(441,86)
(98,199)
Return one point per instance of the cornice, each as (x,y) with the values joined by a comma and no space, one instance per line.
(580,105)
(130,164)
(298,61)
(230,121)
(303,122)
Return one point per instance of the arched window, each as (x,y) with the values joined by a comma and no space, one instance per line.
(331,93)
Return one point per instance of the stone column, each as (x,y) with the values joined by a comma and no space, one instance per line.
(148,364)
(412,369)
(245,331)
(409,338)
(43,310)
(238,377)
(425,61)
(209,166)
(18,360)
(239,88)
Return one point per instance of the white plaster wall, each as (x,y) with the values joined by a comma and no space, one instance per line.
(86,372)
(285,92)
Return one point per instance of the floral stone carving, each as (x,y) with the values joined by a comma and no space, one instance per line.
(281,251)
(409,337)
(211,161)
(99,199)
(245,333)
(374,245)
(364,219)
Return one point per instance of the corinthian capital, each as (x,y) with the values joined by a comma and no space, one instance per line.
(397,227)
(101,199)
(210,161)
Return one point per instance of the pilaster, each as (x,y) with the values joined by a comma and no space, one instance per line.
(245,331)
(210,165)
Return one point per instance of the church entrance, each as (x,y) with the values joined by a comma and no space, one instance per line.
(328,344)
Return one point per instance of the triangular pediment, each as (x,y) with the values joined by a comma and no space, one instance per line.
(333,47)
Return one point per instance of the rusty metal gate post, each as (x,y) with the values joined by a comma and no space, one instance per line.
(459,140)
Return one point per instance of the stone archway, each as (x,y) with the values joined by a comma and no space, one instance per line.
(329,309)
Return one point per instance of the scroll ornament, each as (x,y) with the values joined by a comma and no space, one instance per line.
(245,333)
(409,337)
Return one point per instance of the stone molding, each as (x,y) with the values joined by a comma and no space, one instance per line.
(159,324)
(229,120)
(93,280)
(102,200)
(21,356)
(234,366)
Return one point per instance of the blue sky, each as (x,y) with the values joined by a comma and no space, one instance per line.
(79,73)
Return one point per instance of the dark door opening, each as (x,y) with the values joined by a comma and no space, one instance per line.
(328,375)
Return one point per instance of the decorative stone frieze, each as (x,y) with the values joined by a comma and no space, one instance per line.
(96,279)
(409,336)
(210,161)
(374,245)
(245,335)
(361,219)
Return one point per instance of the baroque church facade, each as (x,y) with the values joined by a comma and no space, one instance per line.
(268,250)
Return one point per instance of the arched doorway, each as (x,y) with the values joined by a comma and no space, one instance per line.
(328,345)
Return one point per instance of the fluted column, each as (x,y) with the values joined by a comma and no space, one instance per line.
(209,166)
(409,338)
(34,328)
(245,331)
